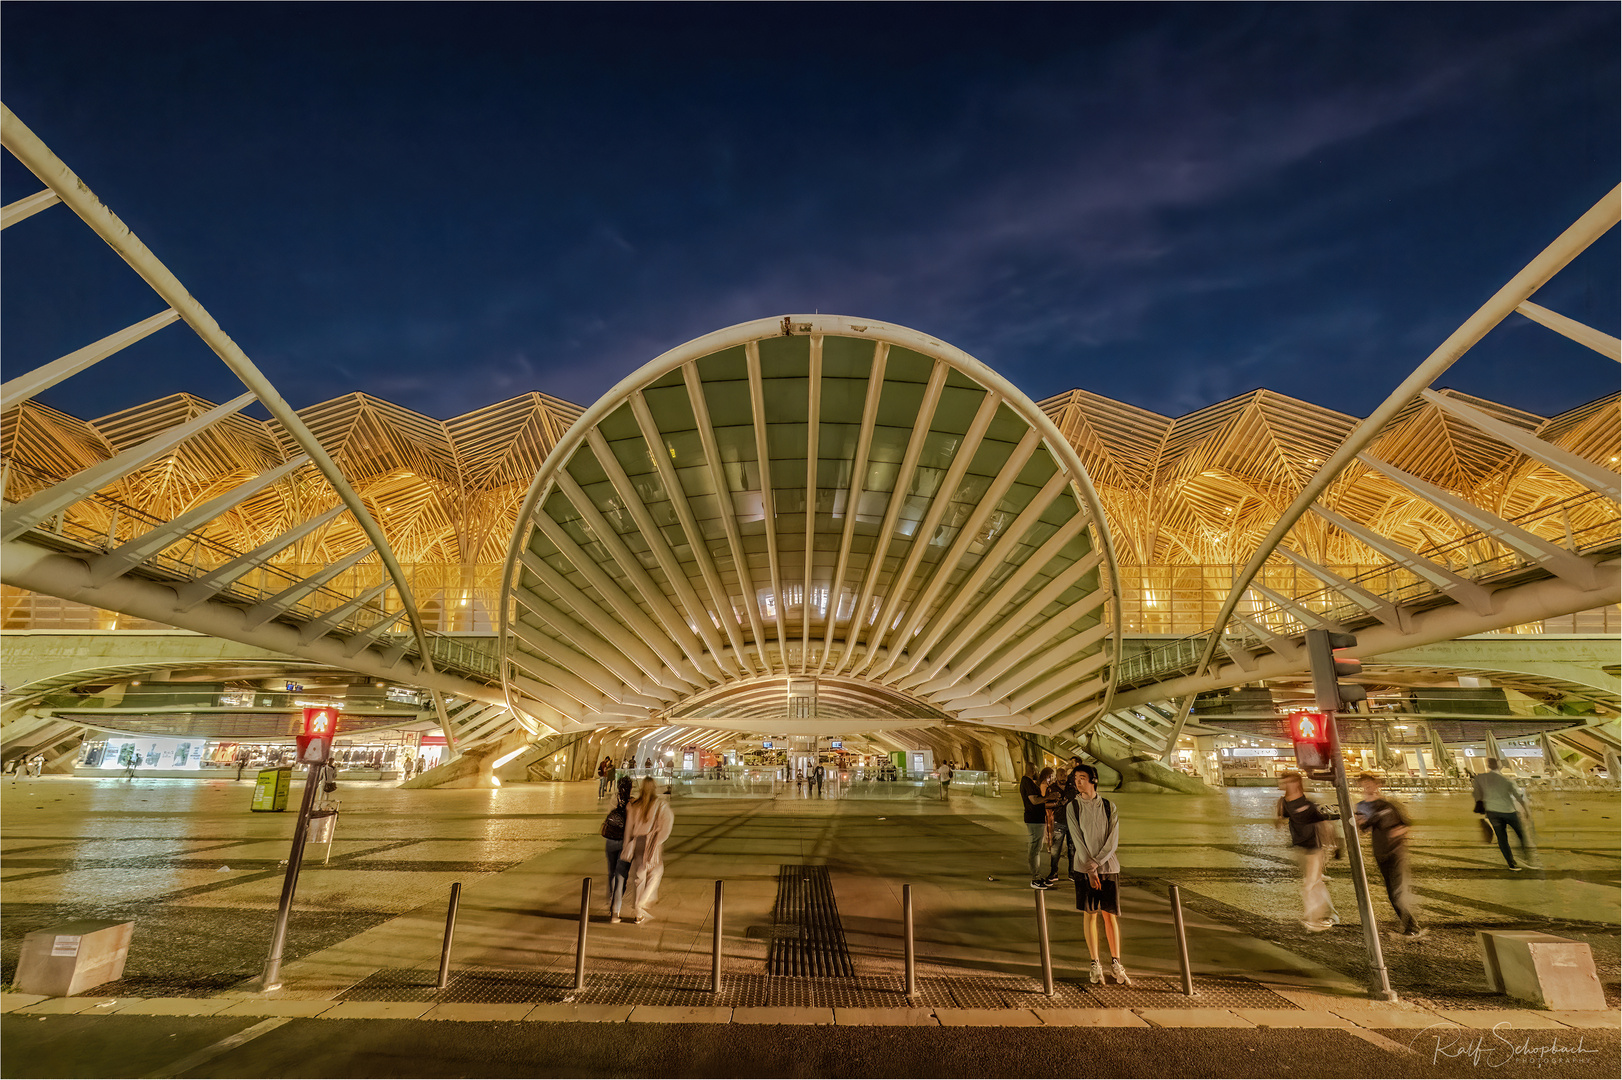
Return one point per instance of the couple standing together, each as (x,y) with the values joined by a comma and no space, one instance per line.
(1069,816)
(634,835)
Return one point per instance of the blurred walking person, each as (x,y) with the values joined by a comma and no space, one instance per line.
(1303,815)
(1497,798)
(605,776)
(1387,827)
(648,821)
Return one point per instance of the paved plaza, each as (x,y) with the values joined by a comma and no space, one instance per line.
(200,876)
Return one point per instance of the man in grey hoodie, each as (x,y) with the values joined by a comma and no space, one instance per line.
(1095,832)
(1499,798)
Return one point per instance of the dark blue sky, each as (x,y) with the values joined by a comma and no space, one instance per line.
(1170,205)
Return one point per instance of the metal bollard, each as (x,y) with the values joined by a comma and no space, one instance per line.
(580,942)
(1182,939)
(906,940)
(1042,939)
(450,933)
(715,944)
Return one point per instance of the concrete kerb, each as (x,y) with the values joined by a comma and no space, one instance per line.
(1358,1015)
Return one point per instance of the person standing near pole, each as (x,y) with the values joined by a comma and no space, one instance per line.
(1303,815)
(1033,793)
(1497,798)
(1387,827)
(614,845)
(1094,828)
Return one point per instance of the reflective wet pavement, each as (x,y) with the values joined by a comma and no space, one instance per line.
(199,874)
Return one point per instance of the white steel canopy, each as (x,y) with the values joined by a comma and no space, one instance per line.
(959,566)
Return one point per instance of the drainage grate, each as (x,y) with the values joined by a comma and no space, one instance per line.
(1007,991)
(808,940)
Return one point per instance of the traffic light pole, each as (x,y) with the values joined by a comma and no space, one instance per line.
(1379,980)
(272,978)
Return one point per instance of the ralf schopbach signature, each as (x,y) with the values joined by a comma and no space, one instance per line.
(1494,1049)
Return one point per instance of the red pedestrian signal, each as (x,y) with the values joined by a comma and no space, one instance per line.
(315,742)
(321,720)
(1310,733)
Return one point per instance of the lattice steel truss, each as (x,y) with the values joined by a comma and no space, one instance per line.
(191,514)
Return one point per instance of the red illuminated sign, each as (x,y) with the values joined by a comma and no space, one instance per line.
(315,742)
(321,721)
(1310,733)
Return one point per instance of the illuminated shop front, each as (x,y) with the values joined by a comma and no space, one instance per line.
(375,755)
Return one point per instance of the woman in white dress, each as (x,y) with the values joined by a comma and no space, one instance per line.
(648,821)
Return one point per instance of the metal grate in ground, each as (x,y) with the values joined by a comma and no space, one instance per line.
(808,939)
(486,986)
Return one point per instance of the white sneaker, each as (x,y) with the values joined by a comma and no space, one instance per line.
(1118,972)
(1095,974)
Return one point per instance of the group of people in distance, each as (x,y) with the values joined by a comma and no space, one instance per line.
(1067,817)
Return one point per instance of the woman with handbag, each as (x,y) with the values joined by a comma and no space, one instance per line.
(648,821)
(614,843)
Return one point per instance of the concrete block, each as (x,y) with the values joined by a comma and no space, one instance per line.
(1294,1018)
(1487,1019)
(377,1010)
(897,1017)
(175,1007)
(278,1007)
(987,1018)
(470,1011)
(680,1014)
(1548,971)
(9,1002)
(587,1014)
(1194,1018)
(72,957)
(808,1016)
(1090,1018)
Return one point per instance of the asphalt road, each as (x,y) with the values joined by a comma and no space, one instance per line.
(119,1046)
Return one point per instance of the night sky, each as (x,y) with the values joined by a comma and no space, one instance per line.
(446,206)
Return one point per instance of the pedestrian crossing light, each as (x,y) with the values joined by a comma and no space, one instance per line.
(1310,733)
(1328,692)
(315,741)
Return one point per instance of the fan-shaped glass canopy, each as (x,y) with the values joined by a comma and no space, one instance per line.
(806,515)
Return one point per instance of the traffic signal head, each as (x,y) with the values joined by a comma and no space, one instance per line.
(1328,692)
(1309,731)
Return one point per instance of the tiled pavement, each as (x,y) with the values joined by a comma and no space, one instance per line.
(366,935)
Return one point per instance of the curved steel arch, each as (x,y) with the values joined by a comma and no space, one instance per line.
(31,568)
(623,604)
